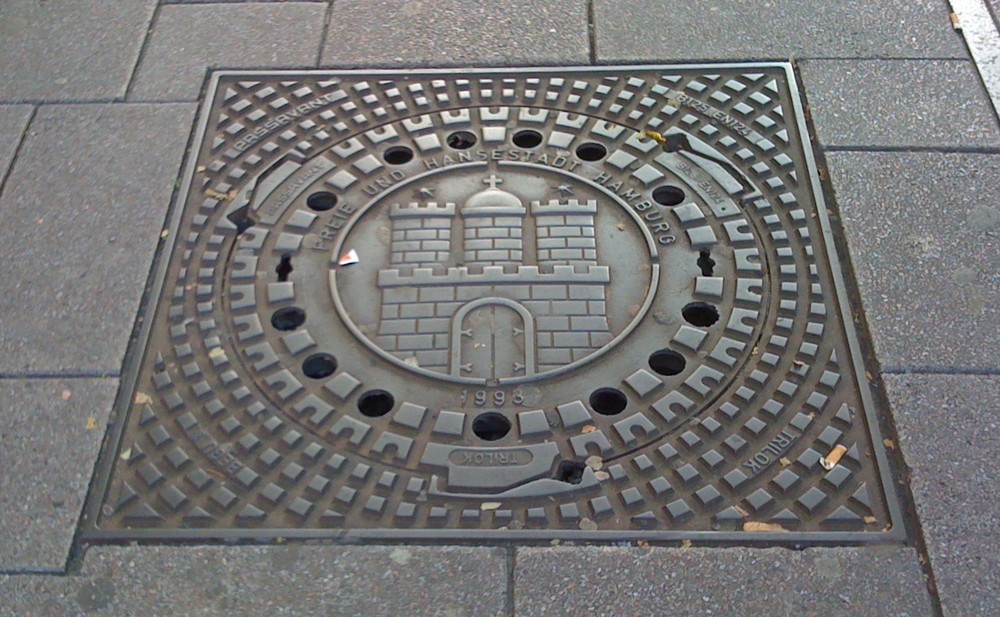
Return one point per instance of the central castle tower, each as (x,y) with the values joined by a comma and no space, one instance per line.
(489,307)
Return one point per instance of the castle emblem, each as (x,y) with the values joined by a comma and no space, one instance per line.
(493,289)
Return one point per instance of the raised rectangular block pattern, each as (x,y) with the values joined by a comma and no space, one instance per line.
(486,341)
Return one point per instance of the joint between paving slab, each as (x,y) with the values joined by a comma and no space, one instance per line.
(265,2)
(511,580)
(61,375)
(591,31)
(791,59)
(940,370)
(142,51)
(17,149)
(915,149)
(327,18)
(67,102)
(34,572)
(638,61)
(900,475)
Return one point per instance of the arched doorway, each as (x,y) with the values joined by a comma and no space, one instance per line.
(493,338)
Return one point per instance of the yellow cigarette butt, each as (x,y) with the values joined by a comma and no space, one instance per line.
(833,457)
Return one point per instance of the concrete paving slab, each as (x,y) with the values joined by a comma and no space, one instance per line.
(278,580)
(13,119)
(79,50)
(639,30)
(189,39)
(50,435)
(922,230)
(234,1)
(899,103)
(949,430)
(456,32)
(80,218)
(861,582)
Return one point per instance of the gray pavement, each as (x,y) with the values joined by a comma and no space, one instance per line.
(456,32)
(874,104)
(950,204)
(187,40)
(658,581)
(13,120)
(51,429)
(265,581)
(949,427)
(634,30)
(72,50)
(911,143)
(80,218)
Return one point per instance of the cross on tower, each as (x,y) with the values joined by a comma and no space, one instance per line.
(493,181)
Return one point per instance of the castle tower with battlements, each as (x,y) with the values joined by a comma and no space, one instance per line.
(565,231)
(421,234)
(494,222)
(489,314)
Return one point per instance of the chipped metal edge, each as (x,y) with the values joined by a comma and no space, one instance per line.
(89,534)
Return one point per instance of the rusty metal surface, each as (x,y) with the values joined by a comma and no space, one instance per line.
(583,303)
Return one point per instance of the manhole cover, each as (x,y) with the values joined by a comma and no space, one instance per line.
(595,303)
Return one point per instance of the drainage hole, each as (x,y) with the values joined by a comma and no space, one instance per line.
(668,195)
(319,365)
(591,151)
(700,314)
(608,401)
(284,268)
(491,426)
(375,403)
(706,263)
(242,219)
(287,319)
(667,362)
(570,471)
(397,155)
(461,140)
(321,201)
(527,138)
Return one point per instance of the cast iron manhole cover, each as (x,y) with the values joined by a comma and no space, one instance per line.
(592,303)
